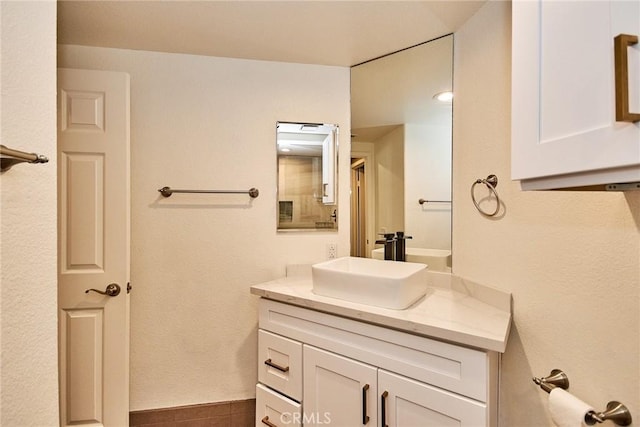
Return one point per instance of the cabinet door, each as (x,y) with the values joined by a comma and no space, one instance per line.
(338,391)
(563,94)
(408,403)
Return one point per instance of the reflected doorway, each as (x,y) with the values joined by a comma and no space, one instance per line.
(358,208)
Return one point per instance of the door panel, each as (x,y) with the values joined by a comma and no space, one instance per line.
(82,232)
(94,235)
(82,331)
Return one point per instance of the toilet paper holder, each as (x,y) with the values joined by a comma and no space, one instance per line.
(557,378)
(616,412)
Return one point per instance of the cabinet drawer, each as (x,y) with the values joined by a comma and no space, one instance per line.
(280,364)
(273,409)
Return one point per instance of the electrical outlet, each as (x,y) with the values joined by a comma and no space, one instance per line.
(332,250)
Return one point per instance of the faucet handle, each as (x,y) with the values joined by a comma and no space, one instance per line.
(387,236)
(401,235)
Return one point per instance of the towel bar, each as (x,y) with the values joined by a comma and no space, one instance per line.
(168,191)
(16,156)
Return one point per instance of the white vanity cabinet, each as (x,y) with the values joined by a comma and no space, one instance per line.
(564,127)
(345,392)
(355,373)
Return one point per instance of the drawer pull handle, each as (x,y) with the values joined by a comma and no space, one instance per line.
(365,417)
(622,78)
(268,362)
(383,408)
(266,421)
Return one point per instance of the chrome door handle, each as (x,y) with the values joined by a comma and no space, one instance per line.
(112,290)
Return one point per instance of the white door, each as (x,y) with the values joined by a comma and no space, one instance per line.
(337,391)
(93,247)
(358,209)
(409,403)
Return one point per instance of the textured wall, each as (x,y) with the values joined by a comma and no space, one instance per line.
(571,259)
(28,314)
(209,123)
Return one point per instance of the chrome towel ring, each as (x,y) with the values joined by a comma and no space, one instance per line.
(491,182)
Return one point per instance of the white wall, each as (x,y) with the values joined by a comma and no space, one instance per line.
(389,162)
(209,123)
(427,171)
(28,313)
(571,259)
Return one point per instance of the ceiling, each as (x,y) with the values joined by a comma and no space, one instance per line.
(340,33)
(406,83)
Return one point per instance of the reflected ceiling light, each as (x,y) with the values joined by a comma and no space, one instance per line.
(285,150)
(444,96)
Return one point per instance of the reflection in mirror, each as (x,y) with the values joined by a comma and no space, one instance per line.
(401,149)
(307,176)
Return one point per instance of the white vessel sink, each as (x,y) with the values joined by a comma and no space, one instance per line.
(436,259)
(387,284)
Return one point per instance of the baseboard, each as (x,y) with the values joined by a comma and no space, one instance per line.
(237,413)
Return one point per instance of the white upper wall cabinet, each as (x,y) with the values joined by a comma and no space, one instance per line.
(564,129)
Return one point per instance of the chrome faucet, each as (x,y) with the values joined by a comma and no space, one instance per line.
(388,241)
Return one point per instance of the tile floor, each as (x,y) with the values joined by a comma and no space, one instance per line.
(239,413)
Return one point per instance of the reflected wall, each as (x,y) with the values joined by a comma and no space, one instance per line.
(402,134)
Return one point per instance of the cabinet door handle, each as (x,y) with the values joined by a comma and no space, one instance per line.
(383,408)
(266,421)
(620,44)
(365,417)
(268,362)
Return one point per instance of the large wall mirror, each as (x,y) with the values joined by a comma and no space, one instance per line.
(307,176)
(401,149)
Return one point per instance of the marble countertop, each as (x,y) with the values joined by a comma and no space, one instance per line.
(454,309)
